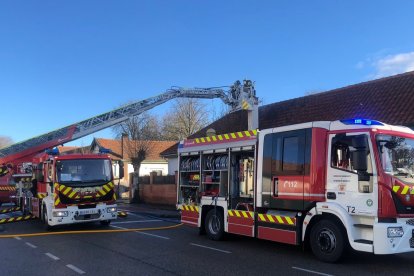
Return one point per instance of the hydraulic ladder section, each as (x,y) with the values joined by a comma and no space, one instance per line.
(239,96)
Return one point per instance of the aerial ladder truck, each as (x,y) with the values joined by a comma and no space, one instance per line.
(79,188)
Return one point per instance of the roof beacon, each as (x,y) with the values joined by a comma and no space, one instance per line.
(358,121)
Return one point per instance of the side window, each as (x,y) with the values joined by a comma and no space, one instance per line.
(345,149)
(292,160)
(291,152)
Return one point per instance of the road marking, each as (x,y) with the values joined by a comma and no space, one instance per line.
(212,248)
(31,245)
(143,233)
(18,238)
(53,257)
(311,271)
(74,268)
(135,221)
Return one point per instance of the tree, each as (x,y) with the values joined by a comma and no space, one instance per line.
(5,141)
(185,117)
(140,130)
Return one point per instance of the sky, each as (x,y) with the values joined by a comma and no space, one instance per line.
(65,61)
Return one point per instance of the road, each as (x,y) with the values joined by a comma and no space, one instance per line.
(174,251)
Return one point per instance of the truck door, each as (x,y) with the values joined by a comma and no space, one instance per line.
(351,173)
(289,163)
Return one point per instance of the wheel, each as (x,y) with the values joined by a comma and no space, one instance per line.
(214,225)
(105,222)
(327,240)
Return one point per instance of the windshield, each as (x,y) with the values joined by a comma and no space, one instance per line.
(397,156)
(83,170)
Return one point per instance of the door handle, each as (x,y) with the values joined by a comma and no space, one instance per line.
(276,186)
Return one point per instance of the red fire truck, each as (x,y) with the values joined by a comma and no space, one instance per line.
(71,189)
(328,185)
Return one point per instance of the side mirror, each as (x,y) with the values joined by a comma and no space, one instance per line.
(360,161)
(121,169)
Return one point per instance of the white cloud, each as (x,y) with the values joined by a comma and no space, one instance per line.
(393,64)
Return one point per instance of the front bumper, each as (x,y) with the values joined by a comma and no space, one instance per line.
(385,245)
(76,215)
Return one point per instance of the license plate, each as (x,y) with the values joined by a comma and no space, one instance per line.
(87,212)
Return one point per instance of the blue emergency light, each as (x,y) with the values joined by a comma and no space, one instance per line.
(104,150)
(54,151)
(359,121)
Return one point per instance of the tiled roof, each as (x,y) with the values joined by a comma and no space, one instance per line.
(389,100)
(156,147)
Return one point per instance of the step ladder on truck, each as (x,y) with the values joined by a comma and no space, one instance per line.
(329,185)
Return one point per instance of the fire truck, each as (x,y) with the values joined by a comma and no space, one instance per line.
(327,185)
(79,188)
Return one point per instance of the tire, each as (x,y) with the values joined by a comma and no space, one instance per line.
(105,222)
(327,241)
(214,225)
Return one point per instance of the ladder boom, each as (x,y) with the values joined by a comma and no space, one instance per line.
(116,116)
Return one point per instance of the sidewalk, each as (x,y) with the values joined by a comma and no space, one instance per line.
(155,210)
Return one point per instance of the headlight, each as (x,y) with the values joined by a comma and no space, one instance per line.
(111,209)
(395,232)
(60,213)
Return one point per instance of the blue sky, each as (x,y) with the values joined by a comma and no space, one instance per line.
(65,61)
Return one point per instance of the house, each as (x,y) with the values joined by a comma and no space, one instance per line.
(390,100)
(118,152)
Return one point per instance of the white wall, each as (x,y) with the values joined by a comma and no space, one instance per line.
(146,168)
(172,165)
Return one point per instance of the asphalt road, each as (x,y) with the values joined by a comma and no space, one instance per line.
(175,251)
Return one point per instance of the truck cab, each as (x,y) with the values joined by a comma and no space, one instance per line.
(74,188)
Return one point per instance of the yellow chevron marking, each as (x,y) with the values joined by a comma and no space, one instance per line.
(412,190)
(261,217)
(233,135)
(106,188)
(395,189)
(68,189)
(57,201)
(254,132)
(237,213)
(230,213)
(3,220)
(226,136)
(19,218)
(270,218)
(208,139)
(11,219)
(220,137)
(111,185)
(240,134)
(251,214)
(245,214)
(56,186)
(61,187)
(405,190)
(72,194)
(289,220)
(202,140)
(187,207)
(196,207)
(27,217)
(214,138)
(280,220)
(191,209)
(247,133)
(102,192)
(197,140)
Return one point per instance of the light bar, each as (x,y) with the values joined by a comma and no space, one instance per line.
(359,121)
